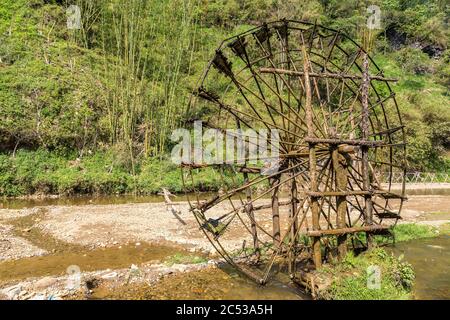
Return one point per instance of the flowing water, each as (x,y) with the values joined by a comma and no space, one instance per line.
(217,283)
(430,259)
(19,203)
(221,283)
(88,260)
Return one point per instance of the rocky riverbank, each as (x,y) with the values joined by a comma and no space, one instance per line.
(118,246)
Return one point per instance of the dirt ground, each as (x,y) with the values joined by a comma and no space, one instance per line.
(108,225)
(42,231)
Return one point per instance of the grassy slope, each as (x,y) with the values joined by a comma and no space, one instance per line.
(424,103)
(45,172)
(67,103)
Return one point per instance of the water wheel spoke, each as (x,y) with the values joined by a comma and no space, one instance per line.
(340,133)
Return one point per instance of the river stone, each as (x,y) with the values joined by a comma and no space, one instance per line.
(12,292)
(180,267)
(38,296)
(110,275)
(45,282)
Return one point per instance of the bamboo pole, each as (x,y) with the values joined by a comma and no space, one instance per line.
(340,168)
(275,210)
(323,74)
(364,149)
(317,256)
(293,217)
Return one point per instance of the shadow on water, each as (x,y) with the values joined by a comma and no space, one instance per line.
(278,287)
(430,259)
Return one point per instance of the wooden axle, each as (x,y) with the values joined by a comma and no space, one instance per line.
(268,206)
(382,193)
(319,194)
(354,142)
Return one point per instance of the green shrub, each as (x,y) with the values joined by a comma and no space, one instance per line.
(413,60)
(349,278)
(411,231)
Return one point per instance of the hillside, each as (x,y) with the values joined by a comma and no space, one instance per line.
(91,110)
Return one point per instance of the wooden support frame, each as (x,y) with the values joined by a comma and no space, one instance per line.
(315,211)
(336,135)
(333,232)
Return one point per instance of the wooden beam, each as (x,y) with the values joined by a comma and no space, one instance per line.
(354,142)
(320,194)
(365,120)
(317,255)
(275,205)
(340,167)
(323,74)
(340,231)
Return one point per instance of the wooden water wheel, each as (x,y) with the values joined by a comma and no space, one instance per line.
(340,135)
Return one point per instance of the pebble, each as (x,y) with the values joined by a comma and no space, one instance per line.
(12,292)
(110,275)
(180,267)
(45,282)
(435,247)
(212,262)
(27,296)
(23,293)
(134,267)
(38,296)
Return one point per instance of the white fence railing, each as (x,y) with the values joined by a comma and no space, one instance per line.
(416,177)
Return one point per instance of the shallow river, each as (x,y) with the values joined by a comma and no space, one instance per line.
(6,203)
(431,261)
(211,284)
(429,257)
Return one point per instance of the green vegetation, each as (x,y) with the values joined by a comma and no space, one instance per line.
(45,172)
(349,278)
(92,110)
(180,258)
(406,232)
(412,231)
